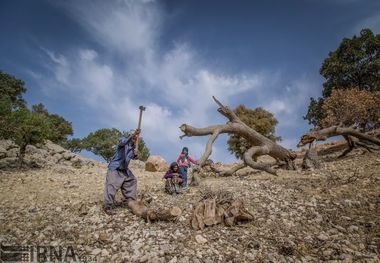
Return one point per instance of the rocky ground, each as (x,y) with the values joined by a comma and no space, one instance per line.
(331,214)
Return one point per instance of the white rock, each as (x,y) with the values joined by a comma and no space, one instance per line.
(53,148)
(353,228)
(96,251)
(322,237)
(105,253)
(200,239)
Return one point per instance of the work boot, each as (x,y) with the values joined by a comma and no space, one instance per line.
(109,211)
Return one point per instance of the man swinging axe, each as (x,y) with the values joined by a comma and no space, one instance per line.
(118,175)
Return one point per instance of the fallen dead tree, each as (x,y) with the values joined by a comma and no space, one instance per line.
(217,208)
(261,145)
(353,137)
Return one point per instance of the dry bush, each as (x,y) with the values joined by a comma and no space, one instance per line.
(352,107)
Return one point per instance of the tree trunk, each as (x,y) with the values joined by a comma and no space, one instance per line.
(21,156)
(353,137)
(311,160)
(261,145)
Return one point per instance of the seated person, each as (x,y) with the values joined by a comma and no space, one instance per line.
(173,180)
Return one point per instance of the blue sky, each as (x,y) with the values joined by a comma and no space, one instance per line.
(95,62)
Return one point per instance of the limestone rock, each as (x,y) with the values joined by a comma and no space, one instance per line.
(68,155)
(54,148)
(156,163)
(8,163)
(3,152)
(7,144)
(200,239)
(12,153)
(40,156)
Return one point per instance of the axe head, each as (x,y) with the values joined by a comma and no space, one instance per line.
(142,108)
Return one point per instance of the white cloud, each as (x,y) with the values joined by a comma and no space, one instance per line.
(372,23)
(125,25)
(87,54)
(176,86)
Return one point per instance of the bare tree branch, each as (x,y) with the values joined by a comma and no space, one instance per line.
(353,137)
(208,150)
(261,145)
(254,151)
(233,170)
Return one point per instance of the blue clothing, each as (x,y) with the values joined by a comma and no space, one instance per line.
(183,173)
(124,154)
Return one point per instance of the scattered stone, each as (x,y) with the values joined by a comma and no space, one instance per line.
(96,251)
(353,228)
(103,237)
(200,239)
(322,237)
(296,217)
(105,253)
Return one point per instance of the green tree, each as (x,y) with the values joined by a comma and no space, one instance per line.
(27,128)
(260,120)
(12,89)
(143,150)
(355,63)
(23,126)
(62,128)
(103,142)
(315,112)
(5,113)
(75,145)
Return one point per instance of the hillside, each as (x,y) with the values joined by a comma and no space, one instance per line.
(331,214)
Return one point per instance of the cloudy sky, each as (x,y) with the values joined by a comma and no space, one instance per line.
(94,62)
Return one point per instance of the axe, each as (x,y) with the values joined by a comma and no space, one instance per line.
(141,108)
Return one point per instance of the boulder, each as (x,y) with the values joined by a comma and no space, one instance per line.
(3,152)
(8,163)
(68,155)
(41,155)
(156,163)
(53,148)
(13,152)
(34,161)
(57,157)
(7,144)
(31,149)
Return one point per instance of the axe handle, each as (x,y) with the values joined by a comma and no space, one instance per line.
(140,117)
(139,127)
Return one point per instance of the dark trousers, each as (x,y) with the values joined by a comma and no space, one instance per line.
(183,173)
